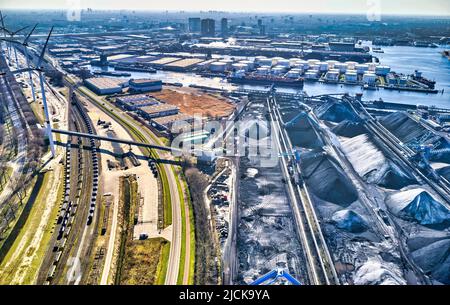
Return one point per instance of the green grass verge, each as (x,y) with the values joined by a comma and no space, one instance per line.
(191,235)
(183,232)
(163,264)
(9,265)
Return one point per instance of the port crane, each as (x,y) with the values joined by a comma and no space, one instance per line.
(273,276)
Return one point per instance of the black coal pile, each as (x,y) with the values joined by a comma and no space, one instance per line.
(336,111)
(403,127)
(349,129)
(302,133)
(327,179)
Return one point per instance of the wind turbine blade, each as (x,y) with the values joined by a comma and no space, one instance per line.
(41,57)
(29,34)
(21,70)
(10,40)
(20,30)
(6,31)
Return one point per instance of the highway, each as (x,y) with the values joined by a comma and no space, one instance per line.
(320,265)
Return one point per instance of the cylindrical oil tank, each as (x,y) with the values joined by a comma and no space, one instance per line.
(382,70)
(323,66)
(362,68)
(342,67)
(331,64)
(218,66)
(351,76)
(332,75)
(351,65)
(369,78)
(239,66)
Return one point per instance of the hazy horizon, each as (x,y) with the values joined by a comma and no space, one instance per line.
(355,7)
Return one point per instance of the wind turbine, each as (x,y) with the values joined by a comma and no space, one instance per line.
(25,51)
(39,68)
(11,34)
(4,33)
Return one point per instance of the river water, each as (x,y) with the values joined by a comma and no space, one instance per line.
(401,59)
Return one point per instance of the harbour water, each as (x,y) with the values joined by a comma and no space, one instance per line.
(401,60)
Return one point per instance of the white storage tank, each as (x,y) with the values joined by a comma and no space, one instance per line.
(351,76)
(332,75)
(275,60)
(351,65)
(259,58)
(369,78)
(284,63)
(314,67)
(250,64)
(331,64)
(362,68)
(228,62)
(342,67)
(218,66)
(294,61)
(382,70)
(372,66)
(239,66)
(323,66)
(266,62)
(312,62)
(311,74)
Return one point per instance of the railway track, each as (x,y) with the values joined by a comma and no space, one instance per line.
(319,262)
(393,144)
(70,246)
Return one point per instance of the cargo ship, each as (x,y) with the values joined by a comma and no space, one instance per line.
(112,73)
(265,80)
(417,76)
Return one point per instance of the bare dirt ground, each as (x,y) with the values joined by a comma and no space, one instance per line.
(194,102)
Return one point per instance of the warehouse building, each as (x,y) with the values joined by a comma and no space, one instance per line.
(145,85)
(167,122)
(156,111)
(105,85)
(159,63)
(132,102)
(183,64)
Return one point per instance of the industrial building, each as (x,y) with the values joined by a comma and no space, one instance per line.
(166,122)
(183,64)
(105,85)
(155,111)
(208,27)
(159,63)
(132,102)
(145,85)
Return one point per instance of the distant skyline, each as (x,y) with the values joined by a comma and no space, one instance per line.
(383,7)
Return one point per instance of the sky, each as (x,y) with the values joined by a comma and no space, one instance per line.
(397,7)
